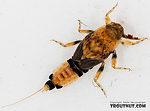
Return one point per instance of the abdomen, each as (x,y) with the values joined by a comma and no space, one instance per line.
(64,75)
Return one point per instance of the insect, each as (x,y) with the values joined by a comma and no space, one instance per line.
(91,51)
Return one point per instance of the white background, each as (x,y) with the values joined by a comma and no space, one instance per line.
(27,57)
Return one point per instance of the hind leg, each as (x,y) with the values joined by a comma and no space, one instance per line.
(83,31)
(107,19)
(68,44)
(99,72)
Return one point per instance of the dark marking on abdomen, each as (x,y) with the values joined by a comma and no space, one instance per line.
(50,84)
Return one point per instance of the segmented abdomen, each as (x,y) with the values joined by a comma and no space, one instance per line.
(64,75)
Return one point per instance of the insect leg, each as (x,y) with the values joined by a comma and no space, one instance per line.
(83,31)
(127,42)
(68,44)
(129,36)
(114,58)
(100,70)
(107,19)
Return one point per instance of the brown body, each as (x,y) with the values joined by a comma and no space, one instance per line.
(96,45)
(92,50)
(100,43)
(64,75)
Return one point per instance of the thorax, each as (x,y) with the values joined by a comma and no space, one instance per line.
(99,44)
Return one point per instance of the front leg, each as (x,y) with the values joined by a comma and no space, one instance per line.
(114,60)
(107,19)
(127,42)
(129,36)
